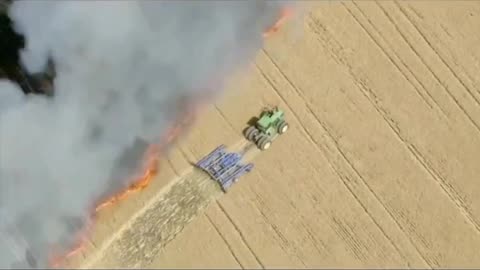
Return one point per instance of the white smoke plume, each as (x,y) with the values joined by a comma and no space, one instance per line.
(122,68)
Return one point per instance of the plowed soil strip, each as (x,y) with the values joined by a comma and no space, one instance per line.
(165,215)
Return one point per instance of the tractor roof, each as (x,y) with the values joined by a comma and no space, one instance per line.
(268,118)
(264,121)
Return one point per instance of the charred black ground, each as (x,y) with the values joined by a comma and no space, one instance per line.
(10,67)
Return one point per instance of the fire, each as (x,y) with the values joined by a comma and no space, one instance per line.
(81,238)
(152,158)
(285,14)
(141,183)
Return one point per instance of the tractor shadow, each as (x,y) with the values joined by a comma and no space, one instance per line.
(251,122)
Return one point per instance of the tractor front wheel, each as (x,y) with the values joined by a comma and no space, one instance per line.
(251,133)
(283,127)
(264,143)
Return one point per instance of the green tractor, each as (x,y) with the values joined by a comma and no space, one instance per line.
(270,124)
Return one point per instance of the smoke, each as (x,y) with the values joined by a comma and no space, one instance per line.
(122,69)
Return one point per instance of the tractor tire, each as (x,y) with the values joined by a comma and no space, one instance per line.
(283,127)
(264,143)
(251,133)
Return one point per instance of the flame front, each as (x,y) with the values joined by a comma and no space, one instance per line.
(285,14)
(142,182)
(152,157)
(153,154)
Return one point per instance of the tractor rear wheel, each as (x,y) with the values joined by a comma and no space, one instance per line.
(264,143)
(251,133)
(283,127)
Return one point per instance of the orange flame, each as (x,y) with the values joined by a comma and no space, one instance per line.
(81,238)
(152,157)
(285,14)
(141,183)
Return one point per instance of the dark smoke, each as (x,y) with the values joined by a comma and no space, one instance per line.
(122,68)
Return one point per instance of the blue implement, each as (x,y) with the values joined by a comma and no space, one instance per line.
(236,173)
(214,155)
(225,168)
